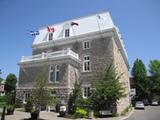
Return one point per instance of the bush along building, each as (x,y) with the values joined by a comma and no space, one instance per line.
(75,49)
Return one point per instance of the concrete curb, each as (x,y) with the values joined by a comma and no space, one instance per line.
(128,114)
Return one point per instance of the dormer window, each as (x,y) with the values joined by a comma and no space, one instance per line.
(67,33)
(50,36)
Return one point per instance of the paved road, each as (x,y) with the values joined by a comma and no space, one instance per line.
(48,116)
(150,113)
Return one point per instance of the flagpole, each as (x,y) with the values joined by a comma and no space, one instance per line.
(98,25)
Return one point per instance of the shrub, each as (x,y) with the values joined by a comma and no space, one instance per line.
(3,101)
(80,113)
(18,103)
(126,110)
(10,110)
(83,103)
(28,105)
(3,98)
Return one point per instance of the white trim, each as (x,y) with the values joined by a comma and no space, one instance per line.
(52,55)
(86,61)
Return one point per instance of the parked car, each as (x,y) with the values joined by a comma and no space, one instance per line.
(139,105)
(154,102)
(146,102)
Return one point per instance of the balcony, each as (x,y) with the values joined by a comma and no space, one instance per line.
(68,53)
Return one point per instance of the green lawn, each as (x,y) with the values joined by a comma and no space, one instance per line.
(3,101)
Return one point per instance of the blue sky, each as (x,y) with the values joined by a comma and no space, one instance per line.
(138,21)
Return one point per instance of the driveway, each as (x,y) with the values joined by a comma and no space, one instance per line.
(47,116)
(150,113)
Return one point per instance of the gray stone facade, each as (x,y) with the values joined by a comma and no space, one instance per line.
(103,51)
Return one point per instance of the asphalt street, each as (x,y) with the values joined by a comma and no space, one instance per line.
(150,113)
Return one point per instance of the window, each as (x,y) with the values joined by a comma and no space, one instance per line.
(67,33)
(86,64)
(86,45)
(54,74)
(50,36)
(86,92)
(51,78)
(57,70)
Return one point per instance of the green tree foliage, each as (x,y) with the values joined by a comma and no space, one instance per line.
(139,74)
(107,90)
(1,79)
(10,84)
(10,88)
(40,94)
(74,97)
(154,69)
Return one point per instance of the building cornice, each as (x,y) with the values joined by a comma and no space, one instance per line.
(88,36)
(121,48)
(49,61)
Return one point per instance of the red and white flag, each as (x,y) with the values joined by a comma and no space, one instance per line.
(50,29)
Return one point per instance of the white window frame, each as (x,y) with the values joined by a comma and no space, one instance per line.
(55,73)
(85,62)
(67,32)
(86,92)
(86,45)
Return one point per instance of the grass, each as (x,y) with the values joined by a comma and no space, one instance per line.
(3,101)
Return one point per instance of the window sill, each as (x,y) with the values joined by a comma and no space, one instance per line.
(53,82)
(86,71)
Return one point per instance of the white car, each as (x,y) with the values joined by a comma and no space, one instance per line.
(154,102)
(139,105)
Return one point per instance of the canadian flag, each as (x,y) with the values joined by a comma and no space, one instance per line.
(50,29)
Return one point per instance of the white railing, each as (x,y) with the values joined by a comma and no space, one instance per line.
(62,53)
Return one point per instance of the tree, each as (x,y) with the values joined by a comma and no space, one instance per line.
(74,97)
(10,84)
(1,79)
(0,76)
(139,74)
(107,90)
(40,94)
(10,88)
(154,69)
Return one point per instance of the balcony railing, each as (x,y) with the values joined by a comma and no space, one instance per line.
(57,54)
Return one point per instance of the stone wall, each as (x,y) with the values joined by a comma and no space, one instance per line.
(121,68)
(63,88)
(101,53)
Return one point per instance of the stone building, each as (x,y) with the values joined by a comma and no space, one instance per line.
(75,49)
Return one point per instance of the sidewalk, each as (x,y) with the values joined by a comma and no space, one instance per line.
(50,116)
